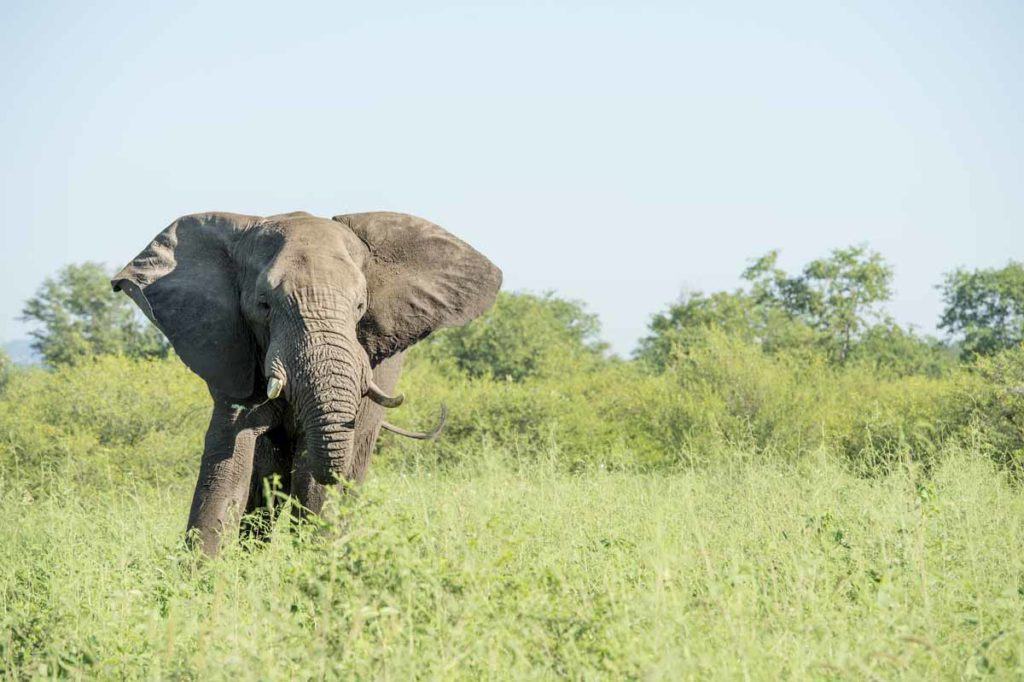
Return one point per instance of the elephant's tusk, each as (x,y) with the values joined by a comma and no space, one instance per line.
(428,435)
(378,396)
(274,387)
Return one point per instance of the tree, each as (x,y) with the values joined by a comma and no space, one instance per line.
(80,316)
(739,314)
(838,296)
(984,308)
(522,336)
(690,316)
(890,350)
(830,304)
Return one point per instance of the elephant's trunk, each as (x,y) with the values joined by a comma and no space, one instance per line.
(323,372)
(326,380)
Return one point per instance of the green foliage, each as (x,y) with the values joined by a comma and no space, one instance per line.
(602,418)
(892,351)
(985,308)
(991,396)
(718,393)
(78,316)
(738,314)
(522,336)
(749,568)
(831,307)
(5,369)
(838,296)
(113,417)
(109,419)
(791,405)
(743,513)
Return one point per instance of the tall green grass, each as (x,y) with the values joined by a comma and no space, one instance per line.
(740,515)
(748,568)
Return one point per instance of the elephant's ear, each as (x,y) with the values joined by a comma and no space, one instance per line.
(185,283)
(419,278)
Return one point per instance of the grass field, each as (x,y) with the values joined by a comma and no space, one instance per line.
(748,569)
(744,517)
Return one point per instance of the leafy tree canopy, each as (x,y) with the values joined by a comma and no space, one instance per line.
(524,335)
(738,314)
(892,351)
(78,316)
(984,308)
(833,306)
(839,296)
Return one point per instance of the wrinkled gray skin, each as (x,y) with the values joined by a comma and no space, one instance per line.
(323,306)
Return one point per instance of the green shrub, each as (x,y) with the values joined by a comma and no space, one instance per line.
(990,398)
(608,417)
(720,393)
(888,350)
(5,369)
(114,418)
(740,395)
(105,419)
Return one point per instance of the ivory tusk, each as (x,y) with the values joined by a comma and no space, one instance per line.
(418,435)
(378,396)
(274,387)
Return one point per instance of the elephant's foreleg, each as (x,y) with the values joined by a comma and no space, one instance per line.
(271,476)
(222,490)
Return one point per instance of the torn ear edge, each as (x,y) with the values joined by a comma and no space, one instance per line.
(134,292)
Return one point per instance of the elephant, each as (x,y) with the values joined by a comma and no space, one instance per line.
(298,325)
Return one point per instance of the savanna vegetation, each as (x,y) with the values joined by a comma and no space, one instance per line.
(783,482)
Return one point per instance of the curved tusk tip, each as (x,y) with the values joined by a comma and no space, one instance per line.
(274,387)
(378,396)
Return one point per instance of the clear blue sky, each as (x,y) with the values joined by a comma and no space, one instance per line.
(614,152)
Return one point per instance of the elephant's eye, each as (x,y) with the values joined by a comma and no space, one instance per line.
(262,304)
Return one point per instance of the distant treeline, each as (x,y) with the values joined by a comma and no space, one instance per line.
(834,307)
(787,365)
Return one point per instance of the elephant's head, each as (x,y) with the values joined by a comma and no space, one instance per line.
(305,307)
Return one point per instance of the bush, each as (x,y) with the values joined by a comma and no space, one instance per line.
(103,420)
(985,308)
(607,417)
(738,315)
(791,404)
(891,351)
(990,398)
(115,418)
(5,369)
(721,393)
